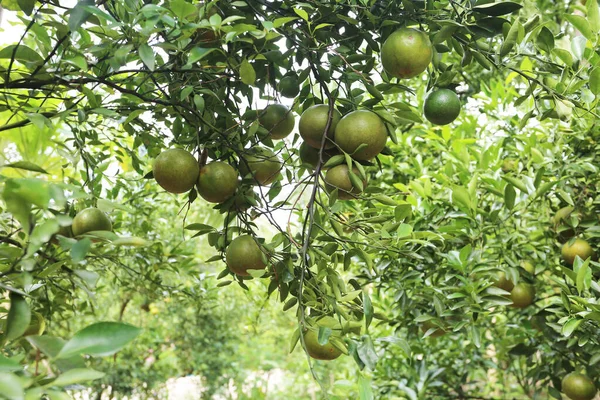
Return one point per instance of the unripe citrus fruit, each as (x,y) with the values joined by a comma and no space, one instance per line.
(243,253)
(361,127)
(509,165)
(441,107)
(289,86)
(319,352)
(278,120)
(89,220)
(522,295)
(263,164)
(310,156)
(579,247)
(578,387)
(176,170)
(338,177)
(528,266)
(217,182)
(504,283)
(313,122)
(406,53)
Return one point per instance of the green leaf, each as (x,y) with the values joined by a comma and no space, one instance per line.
(570,326)
(594,81)
(49,345)
(11,387)
(279,22)
(581,24)
(22,54)
(511,38)
(26,165)
(147,56)
(564,55)
(182,9)
(509,196)
(497,9)
(324,334)
(76,375)
(460,196)
(247,73)
(100,14)
(368,309)
(78,14)
(199,227)
(387,200)
(373,91)
(404,230)
(29,190)
(133,241)
(19,317)
(42,233)
(100,339)
(516,182)
(56,395)
(80,249)
(584,276)
(294,339)
(9,365)
(593,15)
(26,6)
(301,13)
(366,353)
(198,53)
(335,160)
(365,392)
(545,40)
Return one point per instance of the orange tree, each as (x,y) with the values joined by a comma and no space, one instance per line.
(412,228)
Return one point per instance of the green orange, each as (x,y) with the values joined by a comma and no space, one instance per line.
(338,178)
(522,295)
(243,254)
(89,220)
(358,128)
(441,106)
(406,53)
(176,170)
(217,181)
(278,120)
(263,164)
(578,386)
(289,86)
(503,283)
(313,122)
(578,247)
(317,351)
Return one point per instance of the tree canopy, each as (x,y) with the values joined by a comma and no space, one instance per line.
(432,226)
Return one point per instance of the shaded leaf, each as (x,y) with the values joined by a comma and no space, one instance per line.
(497,9)
(100,339)
(76,375)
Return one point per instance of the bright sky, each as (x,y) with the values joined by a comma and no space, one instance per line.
(11,28)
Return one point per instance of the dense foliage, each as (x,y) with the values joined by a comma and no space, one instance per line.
(407,267)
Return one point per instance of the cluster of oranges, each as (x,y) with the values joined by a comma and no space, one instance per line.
(362,134)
